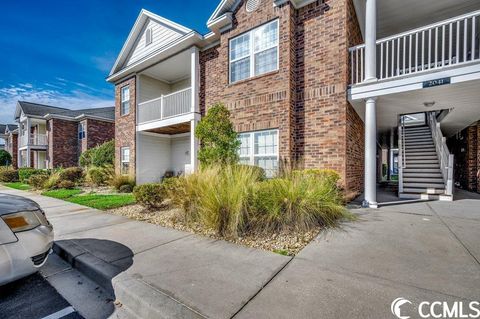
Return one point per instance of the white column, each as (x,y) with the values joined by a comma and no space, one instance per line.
(370,40)
(193,146)
(370,192)
(195,78)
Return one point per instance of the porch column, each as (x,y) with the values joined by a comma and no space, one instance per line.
(370,193)
(193,146)
(371,40)
(195,78)
(27,134)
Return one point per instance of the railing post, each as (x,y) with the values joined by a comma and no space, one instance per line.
(161,107)
(449,189)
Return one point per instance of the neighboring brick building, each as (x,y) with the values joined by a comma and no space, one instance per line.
(50,137)
(9,132)
(298,81)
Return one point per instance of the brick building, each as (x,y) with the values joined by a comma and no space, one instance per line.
(9,133)
(50,137)
(299,82)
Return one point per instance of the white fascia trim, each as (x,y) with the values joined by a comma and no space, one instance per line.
(77,118)
(221,22)
(217,11)
(144,14)
(192,36)
(167,122)
(297,4)
(169,136)
(93,117)
(458,74)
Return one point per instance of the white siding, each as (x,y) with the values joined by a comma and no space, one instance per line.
(161,36)
(180,85)
(180,154)
(153,158)
(151,88)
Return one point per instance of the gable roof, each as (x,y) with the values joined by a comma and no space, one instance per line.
(11,127)
(137,29)
(3,127)
(225,6)
(35,109)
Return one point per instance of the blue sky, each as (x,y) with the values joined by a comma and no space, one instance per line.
(59,52)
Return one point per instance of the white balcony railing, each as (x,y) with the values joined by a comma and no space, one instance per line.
(166,106)
(450,42)
(34,140)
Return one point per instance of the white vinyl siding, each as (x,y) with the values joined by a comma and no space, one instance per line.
(260,148)
(125,100)
(161,36)
(254,52)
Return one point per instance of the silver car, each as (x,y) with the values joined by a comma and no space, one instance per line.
(26,237)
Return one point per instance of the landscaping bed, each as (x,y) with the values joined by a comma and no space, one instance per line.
(285,243)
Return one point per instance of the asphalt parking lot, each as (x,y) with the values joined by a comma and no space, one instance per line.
(33,298)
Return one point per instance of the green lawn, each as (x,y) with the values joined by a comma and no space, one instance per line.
(18,185)
(97,201)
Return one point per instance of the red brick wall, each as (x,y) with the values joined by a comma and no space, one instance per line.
(261,103)
(466,149)
(62,143)
(99,132)
(125,126)
(306,98)
(13,148)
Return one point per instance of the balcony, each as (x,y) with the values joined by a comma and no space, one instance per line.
(166,106)
(443,45)
(34,140)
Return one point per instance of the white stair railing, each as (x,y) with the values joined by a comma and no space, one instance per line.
(446,159)
(439,45)
(402,162)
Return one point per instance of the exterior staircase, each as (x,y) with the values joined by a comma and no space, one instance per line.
(422,176)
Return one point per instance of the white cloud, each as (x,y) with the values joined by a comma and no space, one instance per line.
(75,99)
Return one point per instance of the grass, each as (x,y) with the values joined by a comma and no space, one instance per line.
(98,201)
(18,185)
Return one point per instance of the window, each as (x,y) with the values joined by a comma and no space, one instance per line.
(254,53)
(125,160)
(148,36)
(81,131)
(125,100)
(260,149)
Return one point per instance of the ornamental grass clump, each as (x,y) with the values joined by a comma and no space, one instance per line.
(298,200)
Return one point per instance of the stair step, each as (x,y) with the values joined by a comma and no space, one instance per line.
(415,143)
(427,147)
(422,166)
(421,157)
(425,196)
(430,150)
(422,175)
(424,190)
(418,139)
(421,153)
(422,161)
(424,185)
(421,170)
(423,179)
(413,128)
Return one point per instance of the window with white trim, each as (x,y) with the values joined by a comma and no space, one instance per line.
(81,131)
(125,160)
(254,52)
(260,148)
(148,36)
(125,100)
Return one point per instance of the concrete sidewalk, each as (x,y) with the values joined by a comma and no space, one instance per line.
(420,251)
(154,271)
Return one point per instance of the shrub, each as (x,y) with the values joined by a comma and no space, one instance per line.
(25,173)
(149,195)
(66,184)
(99,175)
(300,200)
(125,189)
(118,181)
(218,139)
(37,181)
(5,158)
(8,175)
(72,174)
(101,155)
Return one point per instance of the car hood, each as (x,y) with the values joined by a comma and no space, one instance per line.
(12,204)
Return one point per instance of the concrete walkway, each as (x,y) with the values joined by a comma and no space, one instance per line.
(420,251)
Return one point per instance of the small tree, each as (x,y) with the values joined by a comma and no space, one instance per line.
(219,141)
(5,158)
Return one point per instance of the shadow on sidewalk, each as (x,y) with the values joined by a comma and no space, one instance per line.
(99,259)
